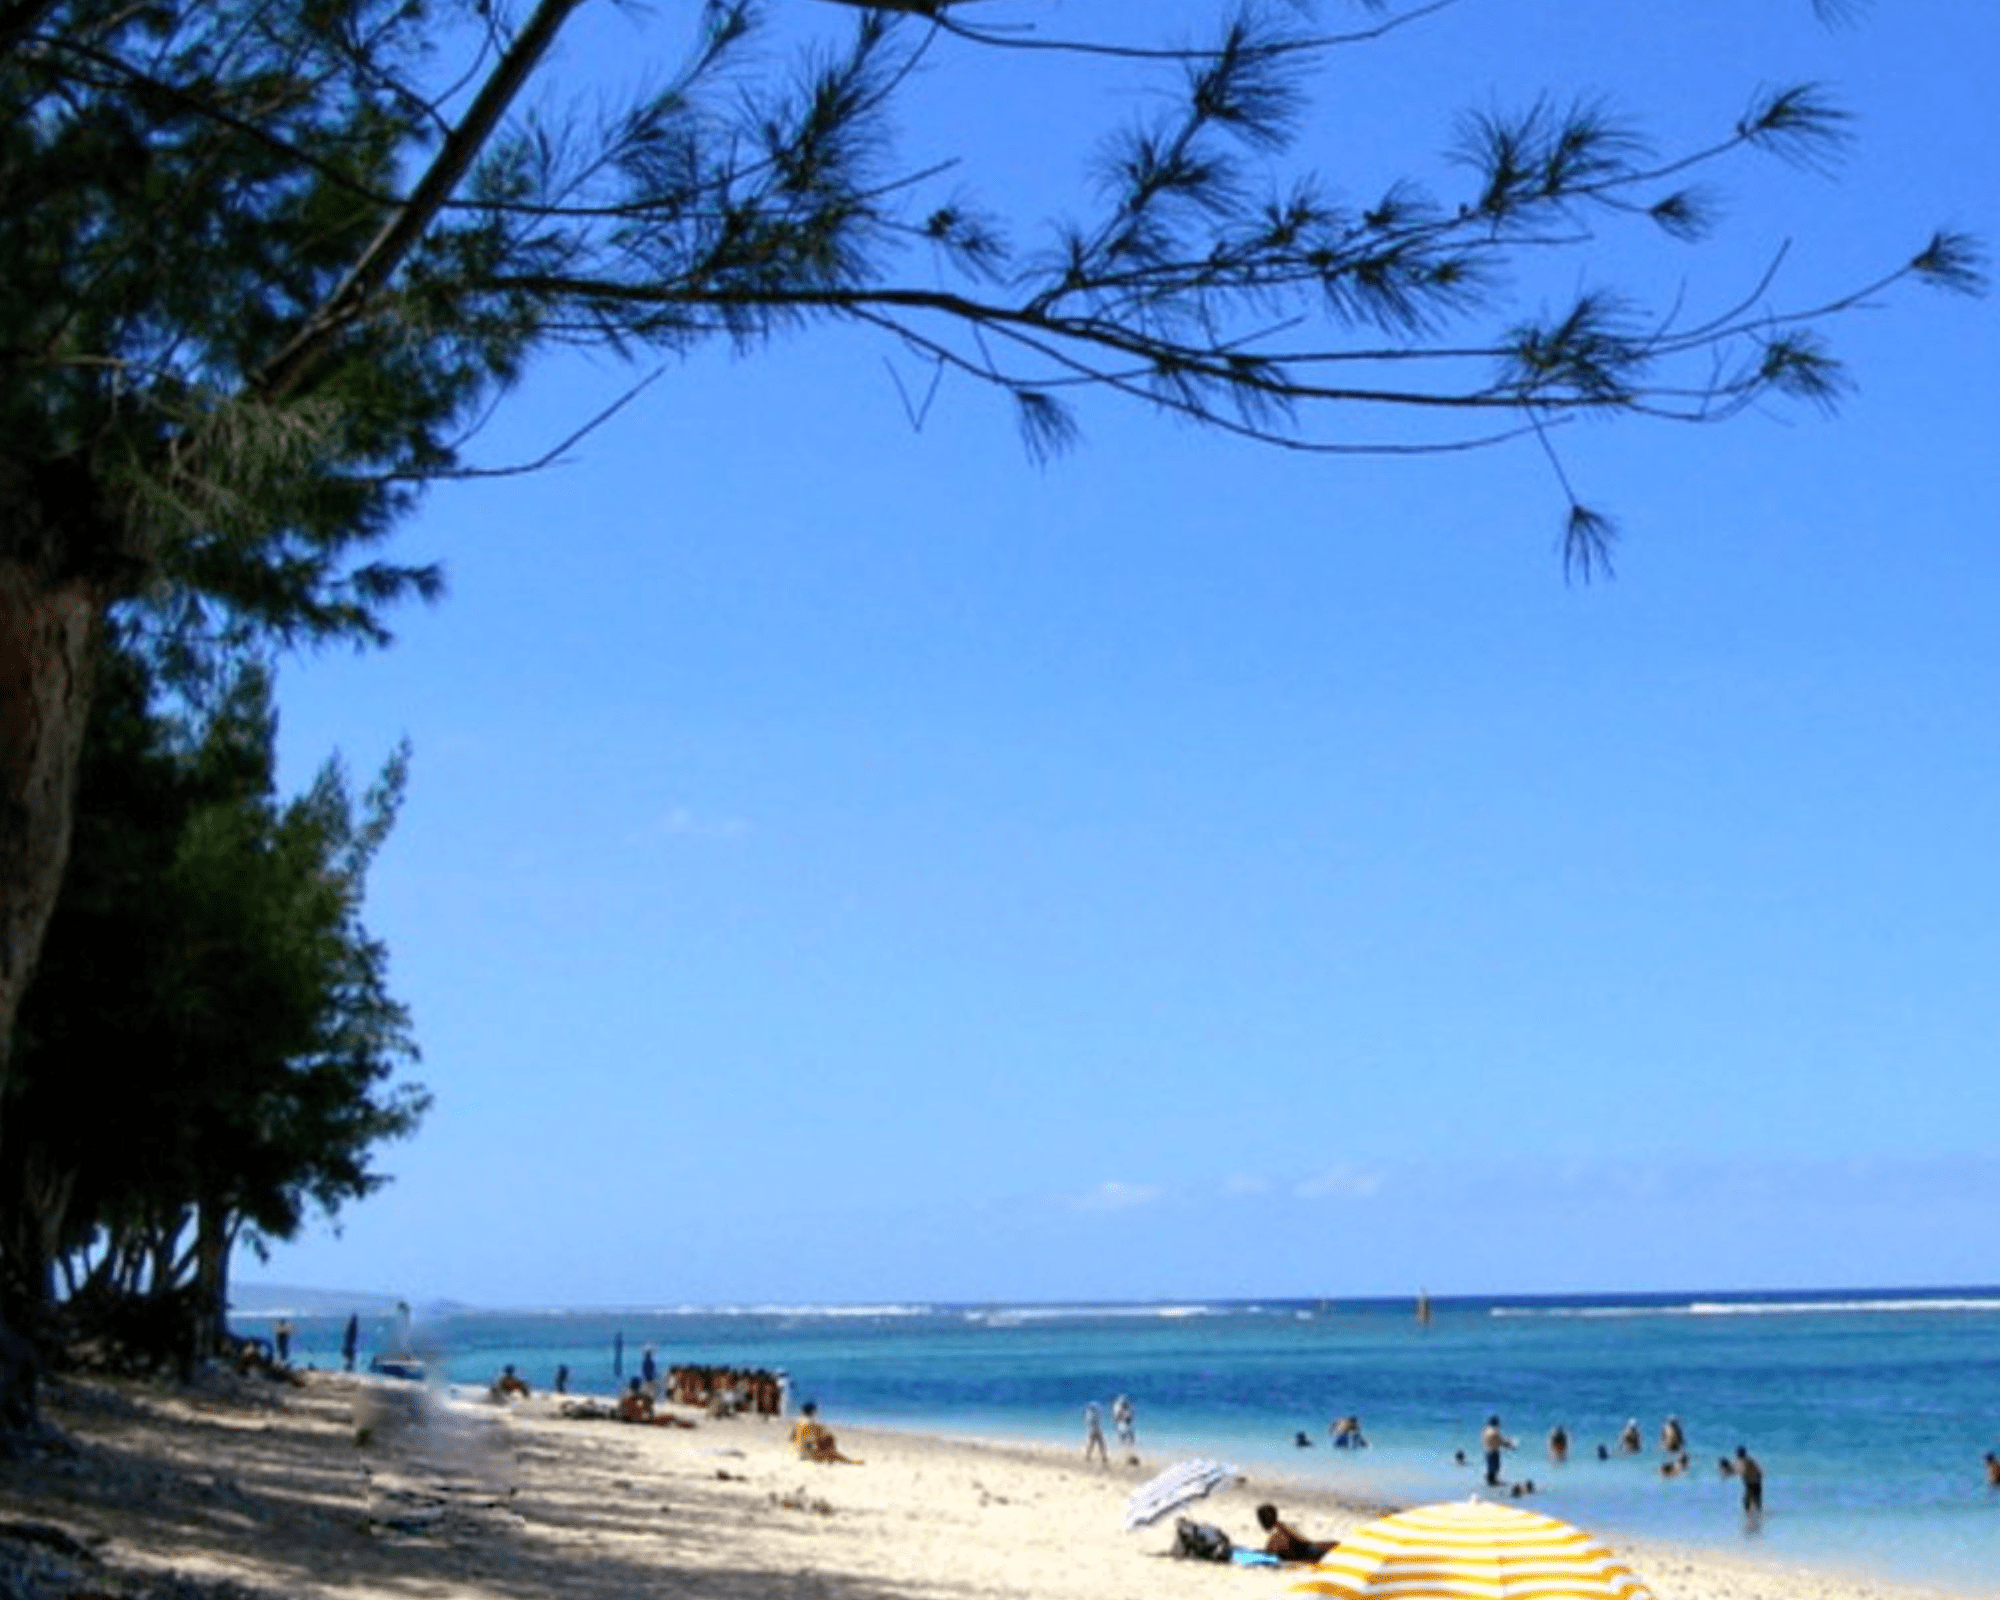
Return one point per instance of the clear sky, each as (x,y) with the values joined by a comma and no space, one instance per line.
(850,863)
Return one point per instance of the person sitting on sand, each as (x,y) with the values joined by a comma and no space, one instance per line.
(815,1441)
(509,1384)
(635,1405)
(1286,1542)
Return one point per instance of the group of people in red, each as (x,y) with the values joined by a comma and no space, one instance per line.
(721,1391)
(732,1389)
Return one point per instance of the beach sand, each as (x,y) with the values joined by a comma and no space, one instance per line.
(236,1487)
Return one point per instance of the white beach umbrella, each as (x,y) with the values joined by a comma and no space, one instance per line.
(1471,1550)
(1180,1485)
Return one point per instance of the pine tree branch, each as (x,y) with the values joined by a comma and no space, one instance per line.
(282,376)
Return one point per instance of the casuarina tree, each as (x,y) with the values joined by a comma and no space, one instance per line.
(206,1052)
(265,264)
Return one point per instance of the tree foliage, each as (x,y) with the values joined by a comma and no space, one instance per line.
(269,259)
(207,1050)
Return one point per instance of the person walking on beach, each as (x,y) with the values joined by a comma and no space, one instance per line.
(1493,1441)
(1752,1475)
(1093,1435)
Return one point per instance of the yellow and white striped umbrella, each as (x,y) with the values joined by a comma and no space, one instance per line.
(1471,1550)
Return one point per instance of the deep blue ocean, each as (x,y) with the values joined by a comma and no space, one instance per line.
(1870,1411)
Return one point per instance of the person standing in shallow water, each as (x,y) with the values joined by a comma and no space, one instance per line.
(1128,1430)
(1493,1441)
(350,1341)
(1752,1476)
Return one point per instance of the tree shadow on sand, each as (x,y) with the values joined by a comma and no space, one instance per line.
(217,1491)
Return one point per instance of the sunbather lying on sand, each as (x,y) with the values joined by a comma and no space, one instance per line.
(1286,1542)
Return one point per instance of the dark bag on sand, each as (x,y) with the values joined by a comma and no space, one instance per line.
(1200,1541)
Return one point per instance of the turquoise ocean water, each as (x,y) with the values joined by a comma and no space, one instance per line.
(1869,1411)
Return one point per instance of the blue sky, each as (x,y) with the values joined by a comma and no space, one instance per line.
(846,862)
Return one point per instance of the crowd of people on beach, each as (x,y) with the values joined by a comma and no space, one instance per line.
(729,1390)
(721,1391)
(1495,1445)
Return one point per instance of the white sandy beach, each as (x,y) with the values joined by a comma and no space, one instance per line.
(247,1485)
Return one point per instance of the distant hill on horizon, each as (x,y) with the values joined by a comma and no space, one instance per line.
(275,1299)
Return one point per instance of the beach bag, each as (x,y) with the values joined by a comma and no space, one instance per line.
(1200,1541)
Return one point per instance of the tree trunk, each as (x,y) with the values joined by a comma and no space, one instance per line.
(35,1225)
(48,647)
(213,1236)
